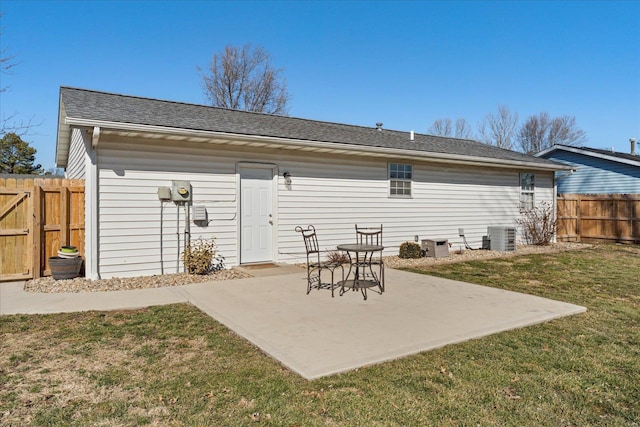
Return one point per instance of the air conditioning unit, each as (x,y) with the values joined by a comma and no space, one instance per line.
(502,238)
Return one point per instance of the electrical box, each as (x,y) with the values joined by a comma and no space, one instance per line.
(502,238)
(181,191)
(164,193)
(199,213)
(436,248)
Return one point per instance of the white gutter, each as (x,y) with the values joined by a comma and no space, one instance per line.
(95,137)
(331,146)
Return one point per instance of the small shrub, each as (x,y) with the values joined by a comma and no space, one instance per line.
(410,250)
(539,224)
(202,257)
(338,257)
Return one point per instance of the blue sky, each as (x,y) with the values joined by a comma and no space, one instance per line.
(405,64)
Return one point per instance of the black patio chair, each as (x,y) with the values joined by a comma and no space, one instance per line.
(372,236)
(315,266)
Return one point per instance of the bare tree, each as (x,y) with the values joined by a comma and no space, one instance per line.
(7,62)
(441,127)
(541,132)
(463,129)
(244,79)
(9,123)
(499,129)
(564,131)
(532,134)
(445,127)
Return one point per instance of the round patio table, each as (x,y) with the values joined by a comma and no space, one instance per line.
(360,256)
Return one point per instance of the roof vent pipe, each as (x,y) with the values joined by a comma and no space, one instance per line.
(379,126)
(411,135)
(633,146)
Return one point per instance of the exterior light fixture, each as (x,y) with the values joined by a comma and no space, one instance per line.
(287,177)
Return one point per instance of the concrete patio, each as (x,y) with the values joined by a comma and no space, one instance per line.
(315,335)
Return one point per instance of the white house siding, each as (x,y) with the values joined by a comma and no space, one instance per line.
(333,196)
(76,163)
(332,193)
(130,213)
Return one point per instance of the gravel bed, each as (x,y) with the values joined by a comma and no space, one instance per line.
(456,255)
(81,284)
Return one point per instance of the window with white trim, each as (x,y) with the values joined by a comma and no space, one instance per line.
(527,190)
(400,177)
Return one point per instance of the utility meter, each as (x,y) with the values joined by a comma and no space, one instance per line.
(181,191)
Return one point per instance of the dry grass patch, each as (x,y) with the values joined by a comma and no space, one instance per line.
(174,366)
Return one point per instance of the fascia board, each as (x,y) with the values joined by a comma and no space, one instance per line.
(63,138)
(328,146)
(578,150)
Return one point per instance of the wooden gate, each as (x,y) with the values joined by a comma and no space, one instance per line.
(599,217)
(37,217)
(16,240)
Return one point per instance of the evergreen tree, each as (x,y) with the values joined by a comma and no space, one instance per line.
(17,157)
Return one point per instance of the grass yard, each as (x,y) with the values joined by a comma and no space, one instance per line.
(175,366)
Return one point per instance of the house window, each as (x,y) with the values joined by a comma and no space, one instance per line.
(400,176)
(527,190)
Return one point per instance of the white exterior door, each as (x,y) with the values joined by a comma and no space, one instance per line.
(256,216)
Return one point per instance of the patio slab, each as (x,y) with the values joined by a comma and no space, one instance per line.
(316,335)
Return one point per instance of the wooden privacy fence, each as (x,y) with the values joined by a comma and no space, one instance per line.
(599,217)
(37,217)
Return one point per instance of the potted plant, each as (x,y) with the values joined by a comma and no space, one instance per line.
(68,252)
(67,264)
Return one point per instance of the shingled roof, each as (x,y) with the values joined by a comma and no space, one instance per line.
(625,156)
(80,105)
(632,159)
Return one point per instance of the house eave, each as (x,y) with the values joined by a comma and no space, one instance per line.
(134,130)
(63,139)
(578,150)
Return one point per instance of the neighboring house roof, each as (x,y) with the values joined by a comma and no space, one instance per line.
(613,156)
(88,108)
(595,171)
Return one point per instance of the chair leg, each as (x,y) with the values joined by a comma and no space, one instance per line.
(342,281)
(332,283)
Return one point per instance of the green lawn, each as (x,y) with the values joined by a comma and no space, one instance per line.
(175,366)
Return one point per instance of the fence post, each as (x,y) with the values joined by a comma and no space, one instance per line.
(64,213)
(579,218)
(37,231)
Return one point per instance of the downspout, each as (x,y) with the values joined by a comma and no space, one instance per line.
(91,184)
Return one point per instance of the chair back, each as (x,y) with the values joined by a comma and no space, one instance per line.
(310,240)
(369,235)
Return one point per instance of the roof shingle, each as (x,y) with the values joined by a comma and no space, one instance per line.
(109,107)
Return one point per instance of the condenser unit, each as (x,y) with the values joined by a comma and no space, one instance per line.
(502,238)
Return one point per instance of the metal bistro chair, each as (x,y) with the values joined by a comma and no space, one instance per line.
(314,265)
(372,236)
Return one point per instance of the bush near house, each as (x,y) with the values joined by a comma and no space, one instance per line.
(410,250)
(202,257)
(539,224)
